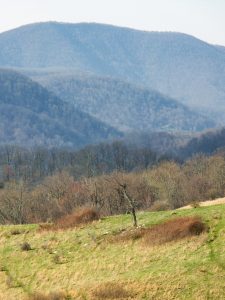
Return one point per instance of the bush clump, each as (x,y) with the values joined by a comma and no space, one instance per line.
(174,229)
(81,216)
(26,246)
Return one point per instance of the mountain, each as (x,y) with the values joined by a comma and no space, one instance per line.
(123,105)
(31,115)
(175,64)
(205,143)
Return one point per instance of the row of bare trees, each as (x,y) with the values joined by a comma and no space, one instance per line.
(167,185)
(35,164)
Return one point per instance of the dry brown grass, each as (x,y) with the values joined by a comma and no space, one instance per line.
(132,234)
(159,206)
(83,215)
(171,230)
(50,296)
(174,229)
(111,290)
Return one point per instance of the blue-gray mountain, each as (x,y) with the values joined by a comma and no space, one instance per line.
(124,106)
(31,115)
(175,64)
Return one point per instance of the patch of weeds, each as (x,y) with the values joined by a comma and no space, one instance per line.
(25,246)
(3,268)
(16,232)
(50,296)
(174,229)
(81,216)
(111,290)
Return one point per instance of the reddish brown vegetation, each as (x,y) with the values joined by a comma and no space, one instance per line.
(174,229)
(111,290)
(168,231)
(81,216)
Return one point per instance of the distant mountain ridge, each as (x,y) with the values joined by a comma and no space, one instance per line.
(207,143)
(175,64)
(31,115)
(122,105)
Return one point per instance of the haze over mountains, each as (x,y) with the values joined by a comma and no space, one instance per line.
(122,105)
(118,79)
(175,64)
(31,115)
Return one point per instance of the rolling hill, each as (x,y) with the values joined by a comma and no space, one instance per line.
(206,143)
(65,260)
(175,64)
(125,106)
(31,115)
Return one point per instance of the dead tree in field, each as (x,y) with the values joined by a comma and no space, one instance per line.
(123,192)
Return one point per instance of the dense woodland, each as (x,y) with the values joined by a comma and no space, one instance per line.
(40,185)
(125,106)
(31,115)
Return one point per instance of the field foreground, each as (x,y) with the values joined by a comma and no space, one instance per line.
(85,263)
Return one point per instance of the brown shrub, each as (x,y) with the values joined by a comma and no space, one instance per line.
(50,296)
(111,290)
(26,246)
(16,232)
(174,229)
(82,216)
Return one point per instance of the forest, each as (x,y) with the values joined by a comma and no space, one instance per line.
(42,185)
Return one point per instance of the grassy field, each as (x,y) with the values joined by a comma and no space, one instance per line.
(83,262)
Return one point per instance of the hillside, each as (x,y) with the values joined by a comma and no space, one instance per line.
(175,64)
(205,143)
(190,268)
(30,115)
(124,106)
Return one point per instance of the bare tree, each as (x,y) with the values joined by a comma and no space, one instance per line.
(123,191)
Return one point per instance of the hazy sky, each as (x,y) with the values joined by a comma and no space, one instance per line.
(204,19)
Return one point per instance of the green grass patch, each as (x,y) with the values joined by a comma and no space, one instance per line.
(80,262)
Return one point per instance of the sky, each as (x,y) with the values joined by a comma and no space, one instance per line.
(204,19)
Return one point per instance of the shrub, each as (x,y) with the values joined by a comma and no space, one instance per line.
(26,247)
(16,232)
(111,290)
(81,216)
(174,229)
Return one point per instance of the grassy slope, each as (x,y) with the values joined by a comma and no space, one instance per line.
(79,260)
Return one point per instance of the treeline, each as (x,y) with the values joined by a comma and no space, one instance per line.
(33,165)
(166,185)
(207,143)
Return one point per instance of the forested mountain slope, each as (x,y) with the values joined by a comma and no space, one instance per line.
(175,64)
(122,105)
(31,115)
(206,143)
